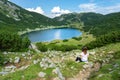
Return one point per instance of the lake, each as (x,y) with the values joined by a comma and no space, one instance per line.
(53,34)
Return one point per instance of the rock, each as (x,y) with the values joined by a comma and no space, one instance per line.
(35,61)
(41,74)
(5,53)
(24,67)
(116,65)
(3,73)
(57,71)
(5,62)
(9,69)
(100,75)
(52,65)
(92,52)
(88,65)
(110,52)
(23,55)
(17,60)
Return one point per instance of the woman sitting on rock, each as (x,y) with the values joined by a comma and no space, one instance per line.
(83,56)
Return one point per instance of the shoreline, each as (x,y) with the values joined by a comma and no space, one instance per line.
(38,29)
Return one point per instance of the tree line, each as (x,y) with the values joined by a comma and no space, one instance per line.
(105,39)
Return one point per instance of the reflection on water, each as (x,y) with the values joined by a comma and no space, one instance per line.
(57,34)
(52,34)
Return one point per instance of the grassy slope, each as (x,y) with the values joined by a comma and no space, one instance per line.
(68,64)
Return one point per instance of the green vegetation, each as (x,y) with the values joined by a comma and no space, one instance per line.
(13,42)
(103,40)
(71,68)
(110,71)
(44,47)
(93,23)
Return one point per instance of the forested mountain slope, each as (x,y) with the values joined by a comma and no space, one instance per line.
(13,17)
(94,23)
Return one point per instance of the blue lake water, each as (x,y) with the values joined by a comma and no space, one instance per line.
(53,34)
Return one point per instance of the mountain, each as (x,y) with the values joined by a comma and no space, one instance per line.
(13,17)
(93,23)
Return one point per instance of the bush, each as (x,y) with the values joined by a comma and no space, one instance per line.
(65,40)
(77,38)
(42,47)
(2,59)
(13,42)
(112,37)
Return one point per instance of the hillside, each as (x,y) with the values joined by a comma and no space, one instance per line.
(13,17)
(93,23)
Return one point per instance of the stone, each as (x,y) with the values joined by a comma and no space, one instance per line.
(35,61)
(88,65)
(3,73)
(100,75)
(24,67)
(116,65)
(52,65)
(23,55)
(110,52)
(9,69)
(5,53)
(17,60)
(41,74)
(57,71)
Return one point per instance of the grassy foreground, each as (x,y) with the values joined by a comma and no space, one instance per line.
(57,63)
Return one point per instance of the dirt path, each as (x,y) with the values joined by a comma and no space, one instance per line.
(85,73)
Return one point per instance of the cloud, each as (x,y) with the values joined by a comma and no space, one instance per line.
(57,11)
(37,10)
(89,7)
(92,7)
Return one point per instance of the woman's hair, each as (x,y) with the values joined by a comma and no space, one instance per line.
(84,48)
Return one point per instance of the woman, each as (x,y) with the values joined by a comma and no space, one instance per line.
(83,56)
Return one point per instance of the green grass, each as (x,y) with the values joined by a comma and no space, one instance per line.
(30,73)
(71,68)
(109,71)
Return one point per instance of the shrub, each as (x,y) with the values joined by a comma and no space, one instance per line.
(77,38)
(13,42)
(42,47)
(112,37)
(65,40)
(2,59)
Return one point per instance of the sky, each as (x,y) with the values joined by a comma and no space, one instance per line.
(53,8)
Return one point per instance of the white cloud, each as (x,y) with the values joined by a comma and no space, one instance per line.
(57,11)
(89,7)
(92,7)
(37,10)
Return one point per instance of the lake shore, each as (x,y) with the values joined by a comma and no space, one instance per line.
(38,29)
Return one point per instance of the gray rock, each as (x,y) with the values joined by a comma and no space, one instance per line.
(41,74)
(52,65)
(3,73)
(57,71)
(9,69)
(5,53)
(88,65)
(17,60)
(100,75)
(35,61)
(24,67)
(116,65)
(23,55)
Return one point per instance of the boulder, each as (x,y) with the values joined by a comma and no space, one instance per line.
(17,60)
(41,74)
